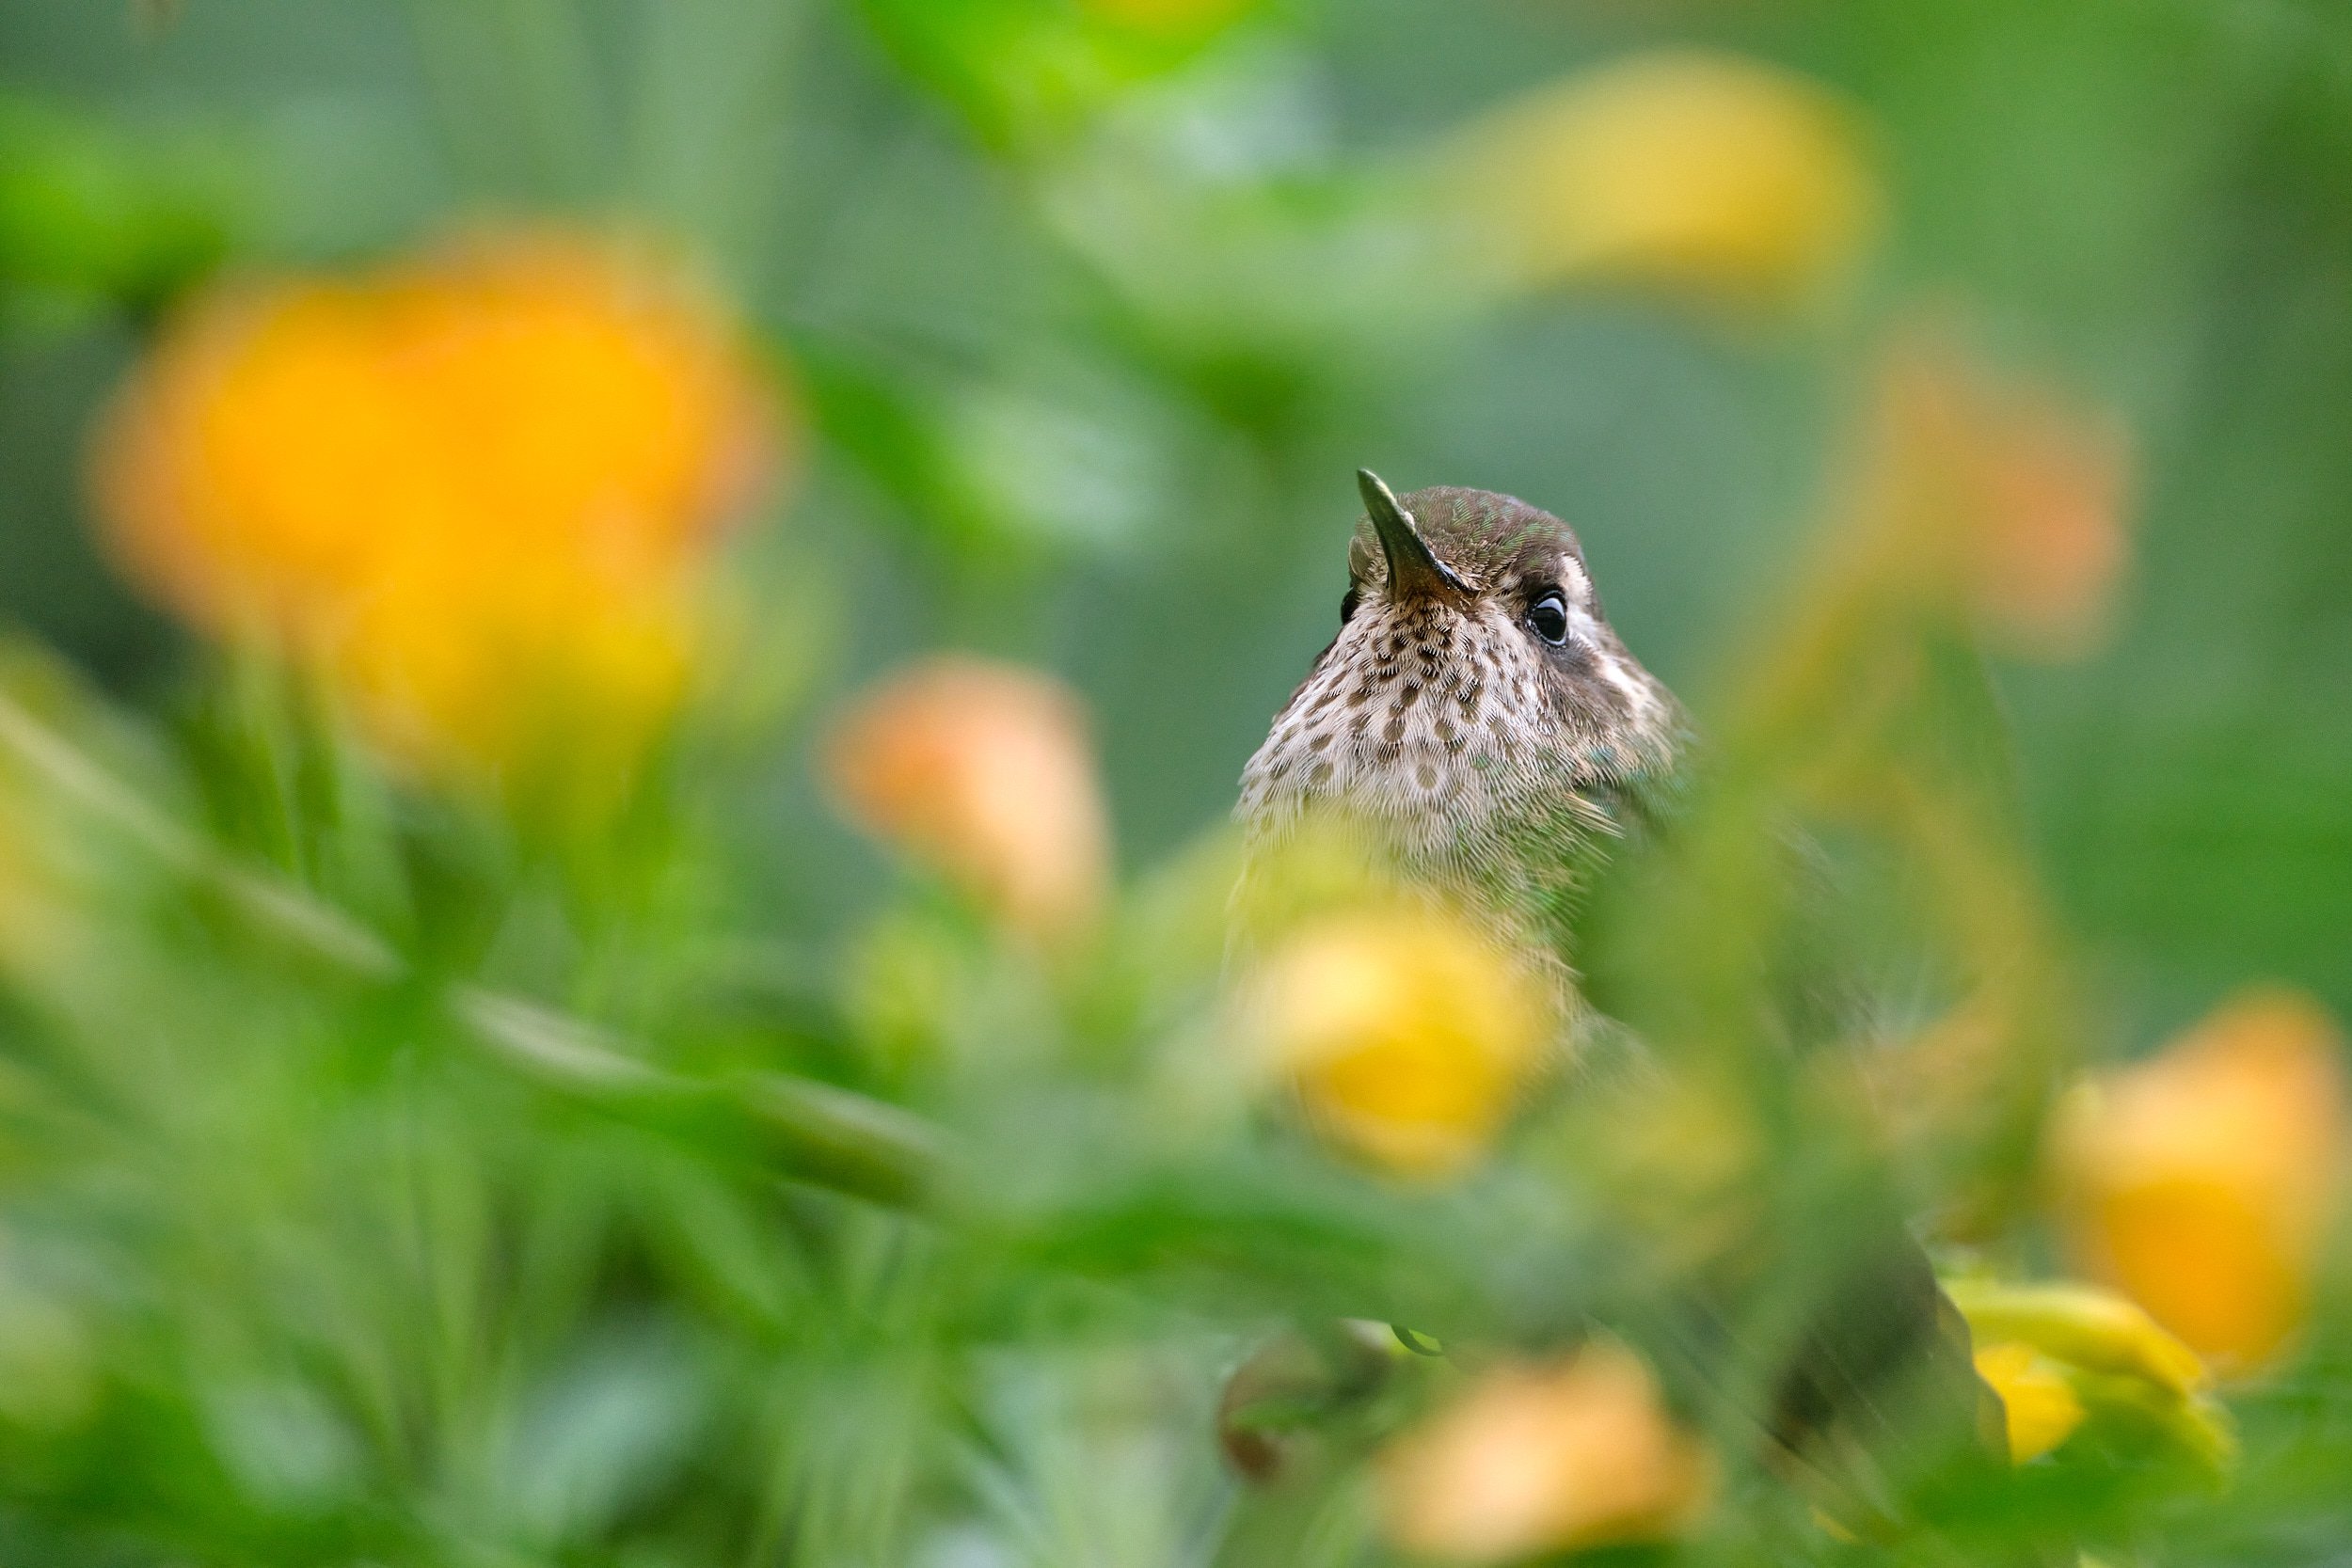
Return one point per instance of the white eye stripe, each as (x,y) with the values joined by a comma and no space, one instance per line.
(1576,590)
(1637,693)
(1574,581)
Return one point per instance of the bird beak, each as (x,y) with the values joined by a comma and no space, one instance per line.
(1414,571)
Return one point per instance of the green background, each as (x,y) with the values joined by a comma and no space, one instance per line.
(1026,451)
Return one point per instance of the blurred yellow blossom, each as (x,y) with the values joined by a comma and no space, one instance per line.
(2037,1401)
(2082,1326)
(1578,1453)
(2062,1355)
(2201,1183)
(985,773)
(1407,1033)
(475,492)
(1709,172)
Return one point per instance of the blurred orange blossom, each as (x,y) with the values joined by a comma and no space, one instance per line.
(2012,498)
(475,492)
(1580,1453)
(1407,1033)
(1712,173)
(2203,1182)
(984,773)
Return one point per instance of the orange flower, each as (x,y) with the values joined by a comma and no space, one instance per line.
(1408,1035)
(1544,1458)
(2013,500)
(475,492)
(2202,1183)
(1712,173)
(983,771)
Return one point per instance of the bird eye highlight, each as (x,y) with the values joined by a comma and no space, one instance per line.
(1547,618)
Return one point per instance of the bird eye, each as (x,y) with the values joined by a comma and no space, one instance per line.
(1348,605)
(1547,618)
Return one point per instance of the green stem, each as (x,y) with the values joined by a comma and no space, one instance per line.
(820,1135)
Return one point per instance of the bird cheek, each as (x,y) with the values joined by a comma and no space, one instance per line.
(1575,656)
(1582,698)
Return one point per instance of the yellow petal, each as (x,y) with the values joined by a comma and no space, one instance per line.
(2081,1326)
(1407,1033)
(2036,1399)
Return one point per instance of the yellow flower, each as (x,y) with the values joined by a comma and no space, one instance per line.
(2201,1183)
(2037,1401)
(2061,1355)
(984,773)
(2083,1327)
(1707,172)
(1407,1034)
(1578,1453)
(474,493)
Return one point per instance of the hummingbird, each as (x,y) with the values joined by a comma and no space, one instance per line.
(1476,713)
(1479,718)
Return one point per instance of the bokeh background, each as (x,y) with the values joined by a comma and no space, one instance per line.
(498,964)
(1087,345)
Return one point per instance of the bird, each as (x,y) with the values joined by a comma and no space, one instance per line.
(1476,713)
(1487,730)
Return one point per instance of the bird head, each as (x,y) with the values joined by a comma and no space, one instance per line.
(1476,711)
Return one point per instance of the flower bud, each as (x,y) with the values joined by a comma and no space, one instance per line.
(2061,1356)
(1578,1453)
(2016,499)
(2201,1183)
(982,773)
